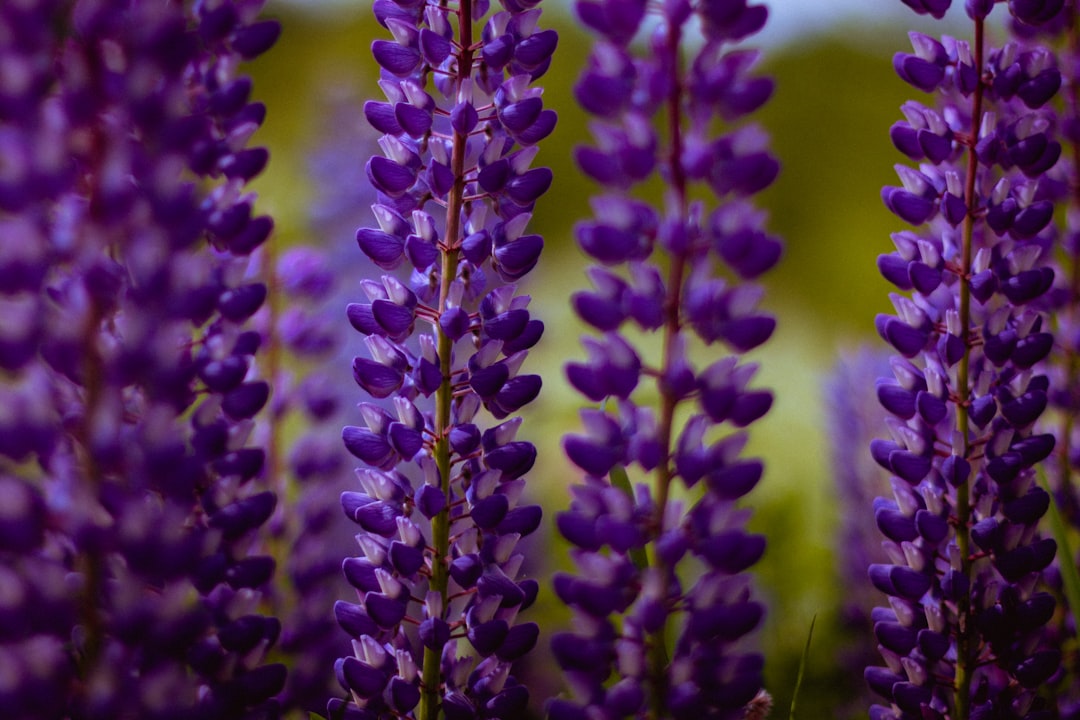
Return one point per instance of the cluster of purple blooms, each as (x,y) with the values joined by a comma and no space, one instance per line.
(648,641)
(131,573)
(964,634)
(146,500)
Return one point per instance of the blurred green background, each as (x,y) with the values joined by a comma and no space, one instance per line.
(836,98)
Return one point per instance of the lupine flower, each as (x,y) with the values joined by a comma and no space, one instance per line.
(854,419)
(310,348)
(314,463)
(962,636)
(440,503)
(132,592)
(1060,366)
(630,606)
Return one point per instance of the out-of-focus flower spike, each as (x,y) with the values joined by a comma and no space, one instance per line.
(630,612)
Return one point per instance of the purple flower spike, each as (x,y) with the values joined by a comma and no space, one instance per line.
(132,505)
(629,547)
(958,328)
(441,506)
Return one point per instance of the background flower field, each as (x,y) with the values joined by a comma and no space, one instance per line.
(836,97)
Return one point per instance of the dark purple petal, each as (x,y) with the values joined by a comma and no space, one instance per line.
(909,207)
(246,400)
(376,379)
(1037,669)
(543,126)
(725,622)
(251,572)
(396,59)
(434,633)
(360,573)
(516,258)
(487,637)
(379,518)
(895,525)
(255,39)
(490,511)
(466,570)
(514,395)
(735,481)
(434,47)
(385,611)
(933,528)
(385,250)
(354,620)
(244,514)
(522,521)
(382,117)
(906,140)
(895,637)
(363,679)
(527,187)
(241,303)
(406,559)
(520,115)
(413,121)
(389,177)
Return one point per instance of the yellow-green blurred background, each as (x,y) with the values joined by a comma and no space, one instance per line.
(835,100)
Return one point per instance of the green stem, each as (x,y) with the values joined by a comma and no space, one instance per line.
(431,683)
(658,654)
(965,661)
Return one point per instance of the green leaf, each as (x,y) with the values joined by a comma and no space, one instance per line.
(802,668)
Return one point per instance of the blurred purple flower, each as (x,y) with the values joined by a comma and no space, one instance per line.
(632,545)
(129,390)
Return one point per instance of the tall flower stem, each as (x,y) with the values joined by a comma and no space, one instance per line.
(658,655)
(964,661)
(440,524)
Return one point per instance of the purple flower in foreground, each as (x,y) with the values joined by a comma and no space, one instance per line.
(440,500)
(962,636)
(128,392)
(645,645)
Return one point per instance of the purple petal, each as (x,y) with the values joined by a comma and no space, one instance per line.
(382,117)
(515,394)
(516,258)
(360,573)
(537,48)
(430,500)
(487,637)
(413,120)
(527,187)
(389,177)
(363,679)
(434,46)
(385,611)
(376,379)
(354,620)
(543,126)
(396,59)
(246,400)
(406,559)
(385,250)
(490,511)
(255,39)
(520,115)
